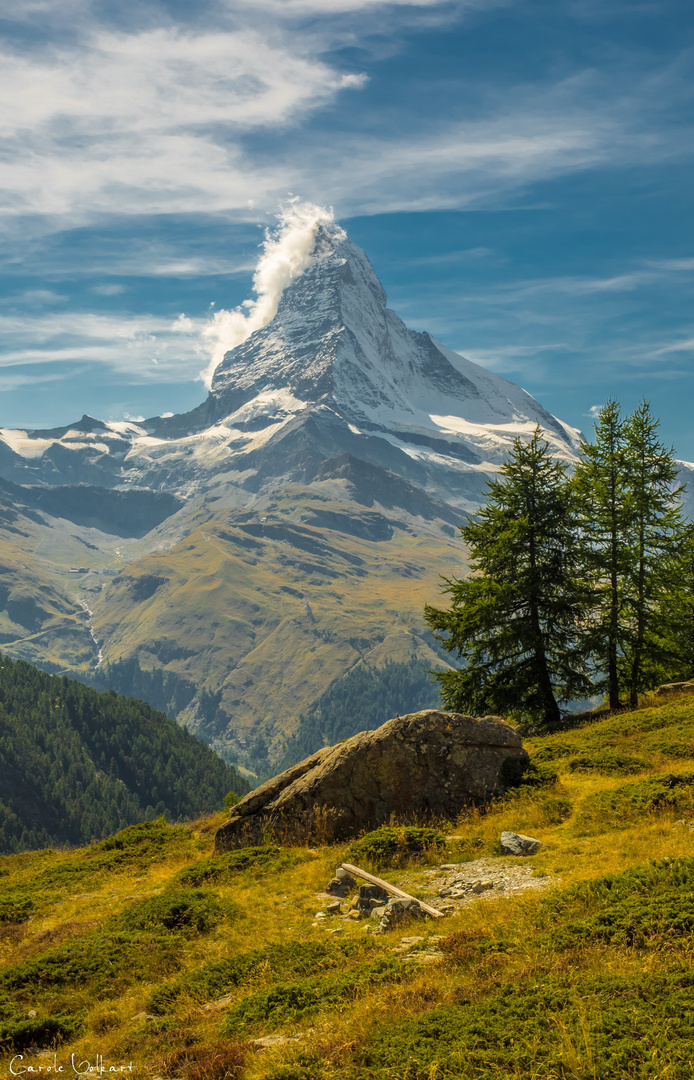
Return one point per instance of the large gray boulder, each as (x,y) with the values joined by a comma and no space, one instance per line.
(425,765)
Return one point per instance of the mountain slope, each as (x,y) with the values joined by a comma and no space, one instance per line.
(76,765)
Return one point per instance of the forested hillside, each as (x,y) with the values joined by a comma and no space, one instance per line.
(77,765)
(361,700)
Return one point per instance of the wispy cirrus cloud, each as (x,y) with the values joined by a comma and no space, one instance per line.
(141,347)
(166,117)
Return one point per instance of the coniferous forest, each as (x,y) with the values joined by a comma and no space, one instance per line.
(77,765)
(361,700)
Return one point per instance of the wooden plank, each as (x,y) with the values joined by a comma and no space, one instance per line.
(392,889)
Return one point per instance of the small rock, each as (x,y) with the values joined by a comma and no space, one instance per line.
(31,1014)
(344,875)
(354,913)
(220,1002)
(274,1040)
(425,957)
(369,897)
(339,887)
(482,886)
(518,844)
(335,908)
(673,687)
(399,911)
(320,915)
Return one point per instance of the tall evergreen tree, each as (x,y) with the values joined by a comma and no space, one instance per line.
(601,499)
(632,538)
(656,536)
(682,611)
(517,621)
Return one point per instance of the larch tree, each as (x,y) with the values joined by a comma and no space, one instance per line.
(517,622)
(599,483)
(656,537)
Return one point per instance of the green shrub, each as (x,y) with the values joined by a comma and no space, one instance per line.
(619,807)
(542,805)
(226,867)
(278,961)
(187,911)
(303,1067)
(389,845)
(643,905)
(16,907)
(291,1001)
(102,961)
(533,773)
(149,840)
(18,1035)
(588,1026)
(609,763)
(552,750)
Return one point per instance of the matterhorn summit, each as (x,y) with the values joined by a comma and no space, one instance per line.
(335,350)
(332,371)
(233,563)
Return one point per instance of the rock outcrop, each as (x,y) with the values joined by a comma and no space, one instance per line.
(425,765)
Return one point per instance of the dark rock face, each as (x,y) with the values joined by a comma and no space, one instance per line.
(426,764)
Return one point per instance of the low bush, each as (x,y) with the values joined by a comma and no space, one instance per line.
(16,907)
(225,867)
(534,773)
(186,911)
(18,1035)
(597,1026)
(645,905)
(395,845)
(619,807)
(609,764)
(149,841)
(104,962)
(303,1067)
(279,961)
(537,806)
(291,1001)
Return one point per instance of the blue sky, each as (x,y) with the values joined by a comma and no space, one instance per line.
(519,173)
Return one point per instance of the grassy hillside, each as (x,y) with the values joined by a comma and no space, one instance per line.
(148,948)
(77,765)
(233,619)
(274,610)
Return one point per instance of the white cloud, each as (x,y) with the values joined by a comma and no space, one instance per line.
(143,347)
(108,289)
(158,119)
